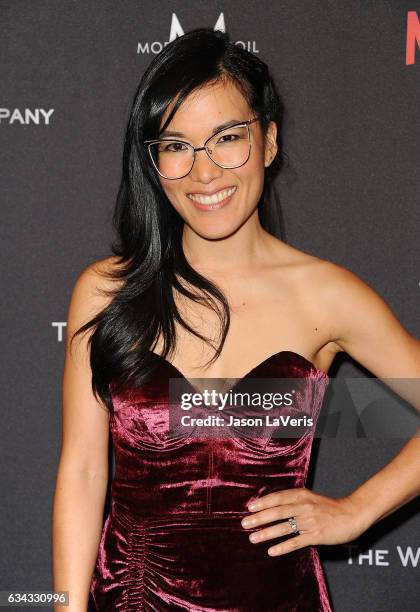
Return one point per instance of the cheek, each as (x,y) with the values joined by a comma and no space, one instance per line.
(172,189)
(252,173)
(253,170)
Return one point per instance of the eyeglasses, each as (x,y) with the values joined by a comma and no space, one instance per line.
(227,148)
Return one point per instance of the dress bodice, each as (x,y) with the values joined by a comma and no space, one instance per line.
(158,473)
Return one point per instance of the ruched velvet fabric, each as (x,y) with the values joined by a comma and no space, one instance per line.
(173,539)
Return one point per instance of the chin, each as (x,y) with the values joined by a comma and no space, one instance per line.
(216,232)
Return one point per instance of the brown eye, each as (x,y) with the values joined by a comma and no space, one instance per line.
(171,147)
(228,138)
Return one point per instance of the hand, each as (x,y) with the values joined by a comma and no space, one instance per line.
(320,519)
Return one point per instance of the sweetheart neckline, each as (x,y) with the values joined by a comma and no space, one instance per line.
(304,360)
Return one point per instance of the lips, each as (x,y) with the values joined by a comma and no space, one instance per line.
(214,197)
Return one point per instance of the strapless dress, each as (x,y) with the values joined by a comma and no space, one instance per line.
(173,538)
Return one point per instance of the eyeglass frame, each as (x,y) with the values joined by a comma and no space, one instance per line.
(203,148)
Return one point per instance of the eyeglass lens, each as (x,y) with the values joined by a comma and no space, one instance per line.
(228,149)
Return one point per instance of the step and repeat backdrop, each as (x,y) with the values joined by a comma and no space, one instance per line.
(348,74)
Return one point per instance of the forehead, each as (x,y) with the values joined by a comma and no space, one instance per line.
(208,106)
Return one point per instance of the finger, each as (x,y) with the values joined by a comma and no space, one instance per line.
(275,531)
(273,514)
(277,497)
(299,541)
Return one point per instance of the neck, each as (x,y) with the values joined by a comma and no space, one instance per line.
(244,249)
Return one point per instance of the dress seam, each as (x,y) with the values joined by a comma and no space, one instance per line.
(210,478)
(137,545)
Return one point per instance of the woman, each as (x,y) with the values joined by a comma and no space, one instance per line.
(195,523)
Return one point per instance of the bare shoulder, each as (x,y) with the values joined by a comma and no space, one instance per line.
(304,267)
(321,275)
(96,283)
(334,287)
(341,287)
(329,292)
(101,274)
(357,313)
(92,292)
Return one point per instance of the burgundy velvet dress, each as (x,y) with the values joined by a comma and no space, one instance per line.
(173,539)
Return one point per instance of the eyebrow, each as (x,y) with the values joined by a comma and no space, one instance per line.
(217,128)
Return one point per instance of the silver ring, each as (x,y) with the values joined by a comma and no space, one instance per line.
(293,524)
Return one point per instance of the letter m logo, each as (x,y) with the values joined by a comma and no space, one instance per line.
(176,28)
(413,37)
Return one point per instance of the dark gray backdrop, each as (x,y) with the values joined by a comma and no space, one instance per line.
(351,131)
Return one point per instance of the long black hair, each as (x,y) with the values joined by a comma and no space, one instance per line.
(151,260)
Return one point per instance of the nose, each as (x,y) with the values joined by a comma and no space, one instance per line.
(204,169)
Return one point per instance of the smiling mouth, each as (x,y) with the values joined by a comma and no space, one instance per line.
(212,199)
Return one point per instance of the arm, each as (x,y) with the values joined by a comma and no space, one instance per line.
(364,326)
(82,473)
(367,329)
(393,486)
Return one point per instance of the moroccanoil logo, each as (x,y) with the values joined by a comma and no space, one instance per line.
(155,47)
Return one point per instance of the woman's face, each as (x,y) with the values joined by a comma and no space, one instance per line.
(196,120)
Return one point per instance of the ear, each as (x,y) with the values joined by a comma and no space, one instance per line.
(271,147)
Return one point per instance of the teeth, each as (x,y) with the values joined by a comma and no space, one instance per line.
(213,199)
